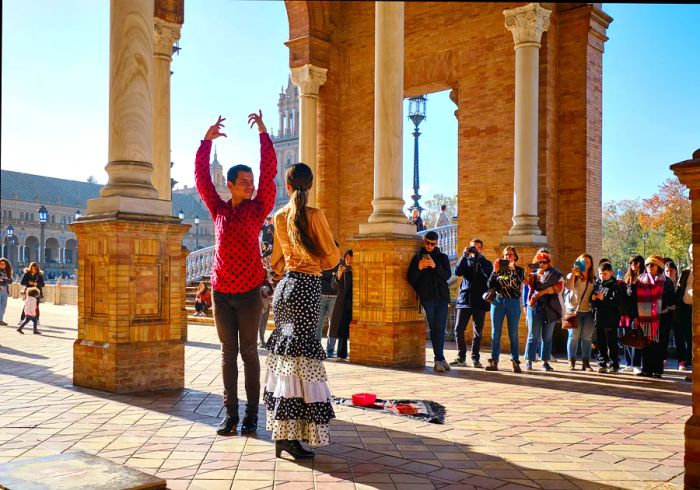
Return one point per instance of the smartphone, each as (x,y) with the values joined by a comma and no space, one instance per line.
(581,264)
(534,266)
(424,256)
(503,266)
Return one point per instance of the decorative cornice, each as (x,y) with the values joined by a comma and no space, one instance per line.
(309,79)
(527,23)
(164,36)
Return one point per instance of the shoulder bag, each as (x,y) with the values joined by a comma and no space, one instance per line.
(570,319)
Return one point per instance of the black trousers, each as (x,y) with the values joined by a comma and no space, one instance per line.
(236,317)
(683,333)
(608,347)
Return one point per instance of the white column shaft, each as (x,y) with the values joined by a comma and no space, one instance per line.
(387,215)
(309,79)
(526,132)
(164,36)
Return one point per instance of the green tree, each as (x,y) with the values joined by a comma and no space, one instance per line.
(668,213)
(432,208)
(622,231)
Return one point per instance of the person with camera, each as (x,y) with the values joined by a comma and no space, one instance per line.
(475,271)
(577,299)
(507,281)
(606,303)
(543,308)
(428,274)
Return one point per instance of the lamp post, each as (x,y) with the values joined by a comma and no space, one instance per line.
(416,113)
(10,239)
(196,232)
(43,215)
(181,214)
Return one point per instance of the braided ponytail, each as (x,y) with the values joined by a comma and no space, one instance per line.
(300,178)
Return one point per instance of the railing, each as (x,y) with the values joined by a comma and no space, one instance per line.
(199,263)
(58,294)
(447,239)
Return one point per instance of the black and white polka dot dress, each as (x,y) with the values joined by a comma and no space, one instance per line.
(297,395)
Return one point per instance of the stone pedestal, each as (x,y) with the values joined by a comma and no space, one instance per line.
(386,328)
(688,172)
(131,291)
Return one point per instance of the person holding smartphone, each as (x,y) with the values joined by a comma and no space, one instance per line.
(428,274)
(507,280)
(577,298)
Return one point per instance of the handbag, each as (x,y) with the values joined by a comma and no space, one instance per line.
(489,295)
(634,337)
(570,320)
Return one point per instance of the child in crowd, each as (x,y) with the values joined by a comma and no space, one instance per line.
(606,302)
(31,310)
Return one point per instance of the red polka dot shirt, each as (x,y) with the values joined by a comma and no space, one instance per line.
(237,263)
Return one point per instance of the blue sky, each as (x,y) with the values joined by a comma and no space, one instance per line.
(55,59)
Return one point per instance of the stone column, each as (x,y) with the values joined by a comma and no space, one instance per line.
(130,167)
(527,23)
(387,329)
(309,79)
(164,36)
(688,172)
(130,330)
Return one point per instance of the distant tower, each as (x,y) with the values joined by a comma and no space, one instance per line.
(217,171)
(286,141)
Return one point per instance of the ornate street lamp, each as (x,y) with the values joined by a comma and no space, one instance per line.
(10,239)
(181,215)
(416,113)
(196,232)
(43,215)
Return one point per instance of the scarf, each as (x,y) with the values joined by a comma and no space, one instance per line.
(650,291)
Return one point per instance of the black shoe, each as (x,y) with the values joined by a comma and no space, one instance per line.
(250,422)
(20,330)
(294,448)
(3,323)
(227,425)
(37,332)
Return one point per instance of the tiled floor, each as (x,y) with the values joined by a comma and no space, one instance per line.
(556,430)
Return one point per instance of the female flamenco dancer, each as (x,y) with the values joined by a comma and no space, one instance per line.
(297,395)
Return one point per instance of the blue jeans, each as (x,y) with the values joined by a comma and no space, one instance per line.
(504,308)
(584,332)
(3,301)
(330,346)
(537,328)
(436,314)
(325,306)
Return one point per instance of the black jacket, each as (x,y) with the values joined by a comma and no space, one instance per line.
(429,283)
(342,311)
(328,287)
(475,272)
(680,292)
(606,311)
(29,277)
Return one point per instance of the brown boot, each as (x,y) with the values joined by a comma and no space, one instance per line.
(516,367)
(586,365)
(572,364)
(493,366)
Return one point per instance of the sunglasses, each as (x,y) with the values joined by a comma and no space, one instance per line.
(543,262)
(430,243)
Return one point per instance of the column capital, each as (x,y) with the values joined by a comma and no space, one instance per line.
(527,23)
(164,36)
(309,79)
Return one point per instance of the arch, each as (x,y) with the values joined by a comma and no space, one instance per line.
(51,250)
(309,32)
(31,249)
(71,251)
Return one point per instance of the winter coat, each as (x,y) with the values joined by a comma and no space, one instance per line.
(37,278)
(342,311)
(328,287)
(475,272)
(429,283)
(548,304)
(606,311)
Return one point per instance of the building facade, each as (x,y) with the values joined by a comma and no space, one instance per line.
(286,140)
(22,194)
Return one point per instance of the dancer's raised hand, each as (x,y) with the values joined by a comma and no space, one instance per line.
(254,118)
(214,130)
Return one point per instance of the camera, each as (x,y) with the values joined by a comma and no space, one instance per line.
(472,250)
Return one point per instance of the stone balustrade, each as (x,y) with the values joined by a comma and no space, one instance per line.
(447,239)
(58,294)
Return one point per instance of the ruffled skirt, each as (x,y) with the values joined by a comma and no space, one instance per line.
(297,395)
